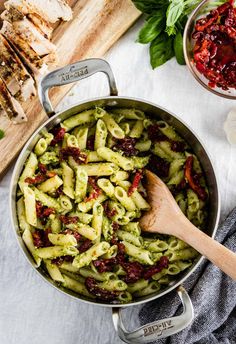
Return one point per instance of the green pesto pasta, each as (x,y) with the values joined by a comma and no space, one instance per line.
(41,146)
(80,199)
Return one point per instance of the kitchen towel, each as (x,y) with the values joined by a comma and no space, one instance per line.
(213,295)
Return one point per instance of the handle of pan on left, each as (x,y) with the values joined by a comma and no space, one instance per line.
(72,73)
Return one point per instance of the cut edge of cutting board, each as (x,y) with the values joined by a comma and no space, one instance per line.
(108,26)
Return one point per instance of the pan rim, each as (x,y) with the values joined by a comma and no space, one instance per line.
(12,200)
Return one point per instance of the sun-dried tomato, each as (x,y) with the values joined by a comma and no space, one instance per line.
(40,238)
(68,219)
(42,168)
(60,260)
(93,195)
(39,208)
(100,293)
(121,248)
(176,189)
(109,212)
(115,226)
(43,174)
(75,153)
(37,238)
(114,239)
(159,166)
(203,23)
(134,271)
(59,191)
(155,134)
(137,178)
(46,240)
(178,146)
(74,233)
(59,134)
(215,46)
(48,211)
(96,190)
(93,182)
(193,182)
(50,174)
(85,246)
(127,146)
(43,212)
(39,178)
(158,267)
(104,265)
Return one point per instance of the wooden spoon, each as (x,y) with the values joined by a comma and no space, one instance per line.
(166,217)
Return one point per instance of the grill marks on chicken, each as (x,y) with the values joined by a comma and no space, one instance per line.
(50,10)
(10,105)
(42,25)
(29,32)
(26,49)
(36,63)
(18,80)
(13,14)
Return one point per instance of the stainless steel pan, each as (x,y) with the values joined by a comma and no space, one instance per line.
(76,72)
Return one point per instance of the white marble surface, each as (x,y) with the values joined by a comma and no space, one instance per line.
(31,312)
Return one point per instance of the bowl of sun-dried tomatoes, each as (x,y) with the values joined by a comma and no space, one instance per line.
(210,46)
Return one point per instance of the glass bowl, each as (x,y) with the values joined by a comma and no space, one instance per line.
(201,11)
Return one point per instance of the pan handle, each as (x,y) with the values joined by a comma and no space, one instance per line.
(157,329)
(72,73)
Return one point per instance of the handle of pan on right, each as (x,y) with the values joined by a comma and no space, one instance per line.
(157,329)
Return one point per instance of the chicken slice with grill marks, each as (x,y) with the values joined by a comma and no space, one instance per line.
(41,24)
(10,105)
(19,82)
(36,63)
(50,10)
(13,14)
(27,30)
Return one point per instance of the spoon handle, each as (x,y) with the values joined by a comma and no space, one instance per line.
(218,254)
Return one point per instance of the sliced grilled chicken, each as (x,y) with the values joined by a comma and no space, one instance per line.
(27,30)
(13,14)
(33,60)
(10,105)
(50,10)
(18,80)
(41,24)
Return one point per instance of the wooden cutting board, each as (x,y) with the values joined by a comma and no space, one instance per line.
(96,26)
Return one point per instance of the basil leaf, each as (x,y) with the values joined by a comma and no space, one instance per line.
(161,50)
(174,11)
(1,134)
(149,6)
(152,28)
(178,49)
(190,5)
(170,30)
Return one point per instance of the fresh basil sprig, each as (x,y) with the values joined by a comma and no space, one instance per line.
(149,6)
(161,50)
(174,11)
(152,28)
(164,28)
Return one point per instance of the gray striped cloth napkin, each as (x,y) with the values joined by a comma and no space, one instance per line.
(213,295)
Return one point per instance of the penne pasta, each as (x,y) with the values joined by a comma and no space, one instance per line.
(91,254)
(80,189)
